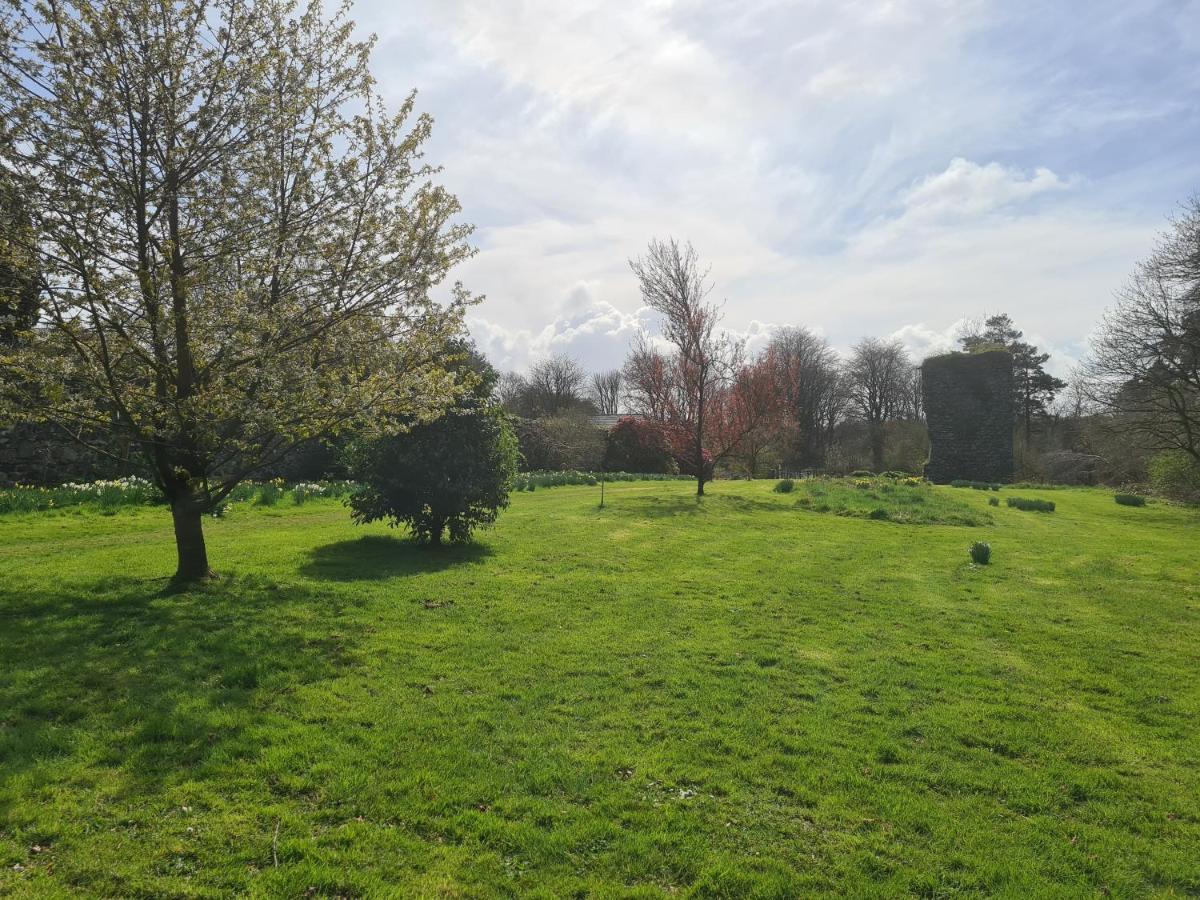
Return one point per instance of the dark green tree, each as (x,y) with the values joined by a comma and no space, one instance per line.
(445,477)
(1033,387)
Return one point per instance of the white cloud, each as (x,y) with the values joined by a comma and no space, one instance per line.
(803,148)
(968,188)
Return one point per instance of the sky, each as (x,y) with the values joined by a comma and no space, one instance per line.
(862,168)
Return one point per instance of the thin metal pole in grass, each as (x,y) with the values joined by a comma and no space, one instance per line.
(602,480)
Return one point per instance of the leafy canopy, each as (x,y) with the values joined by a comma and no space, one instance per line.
(236,242)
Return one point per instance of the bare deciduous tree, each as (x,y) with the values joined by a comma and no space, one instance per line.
(556,385)
(648,376)
(1144,367)
(811,392)
(606,392)
(692,388)
(511,392)
(879,374)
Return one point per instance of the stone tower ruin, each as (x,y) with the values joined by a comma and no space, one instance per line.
(968,401)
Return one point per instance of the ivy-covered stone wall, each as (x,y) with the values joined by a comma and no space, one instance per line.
(968,401)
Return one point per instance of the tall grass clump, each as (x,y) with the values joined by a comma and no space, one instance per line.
(270,492)
(784,486)
(1129,499)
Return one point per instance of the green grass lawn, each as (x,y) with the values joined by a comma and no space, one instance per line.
(741,697)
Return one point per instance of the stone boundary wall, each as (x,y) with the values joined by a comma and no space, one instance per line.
(35,453)
(42,454)
(968,401)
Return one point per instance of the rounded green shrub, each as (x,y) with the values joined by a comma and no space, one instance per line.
(784,486)
(1129,499)
(981,553)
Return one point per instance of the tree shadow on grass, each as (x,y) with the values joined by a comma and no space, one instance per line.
(376,557)
(154,691)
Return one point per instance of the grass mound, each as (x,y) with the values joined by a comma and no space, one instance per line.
(909,501)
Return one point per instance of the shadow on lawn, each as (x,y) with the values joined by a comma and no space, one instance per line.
(375,557)
(157,689)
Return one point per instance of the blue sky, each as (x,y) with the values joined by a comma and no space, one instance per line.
(861,168)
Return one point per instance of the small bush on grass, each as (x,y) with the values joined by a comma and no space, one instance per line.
(878,513)
(981,553)
(445,477)
(1030,505)
(862,473)
(1129,499)
(993,501)
(784,486)
(449,477)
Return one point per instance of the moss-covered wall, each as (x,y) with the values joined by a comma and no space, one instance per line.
(969,408)
(43,454)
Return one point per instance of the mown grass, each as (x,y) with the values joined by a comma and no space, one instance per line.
(727,698)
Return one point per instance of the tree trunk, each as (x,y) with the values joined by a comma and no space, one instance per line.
(435,532)
(700,485)
(877,446)
(189,542)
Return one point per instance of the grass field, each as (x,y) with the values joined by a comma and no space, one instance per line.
(741,697)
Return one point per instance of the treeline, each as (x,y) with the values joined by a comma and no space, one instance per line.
(702,405)
(694,401)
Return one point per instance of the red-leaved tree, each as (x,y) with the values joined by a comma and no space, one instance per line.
(698,385)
